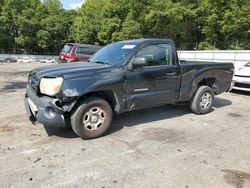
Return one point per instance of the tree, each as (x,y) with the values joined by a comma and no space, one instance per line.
(224,23)
(87,23)
(235,26)
(10,11)
(35,26)
(28,24)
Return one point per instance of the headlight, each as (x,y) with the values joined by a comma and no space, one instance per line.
(51,86)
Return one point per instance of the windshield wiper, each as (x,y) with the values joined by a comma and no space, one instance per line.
(101,62)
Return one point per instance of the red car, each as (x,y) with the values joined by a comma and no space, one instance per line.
(73,52)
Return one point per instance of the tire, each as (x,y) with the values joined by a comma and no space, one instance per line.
(91,118)
(203,100)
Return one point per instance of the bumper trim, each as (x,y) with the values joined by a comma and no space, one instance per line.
(31,117)
(48,113)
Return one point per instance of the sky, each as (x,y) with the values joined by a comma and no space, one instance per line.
(72,4)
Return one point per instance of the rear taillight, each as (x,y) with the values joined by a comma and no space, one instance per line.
(70,57)
(232,70)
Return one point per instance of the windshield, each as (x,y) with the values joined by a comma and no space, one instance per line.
(247,65)
(113,54)
(67,48)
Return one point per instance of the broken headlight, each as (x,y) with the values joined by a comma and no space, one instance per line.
(51,86)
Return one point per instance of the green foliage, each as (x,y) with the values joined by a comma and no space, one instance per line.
(193,24)
(43,39)
(206,46)
(34,26)
(29,26)
(86,24)
(226,23)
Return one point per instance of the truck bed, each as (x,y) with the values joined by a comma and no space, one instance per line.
(200,62)
(216,74)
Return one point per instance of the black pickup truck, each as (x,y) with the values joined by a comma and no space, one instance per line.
(121,77)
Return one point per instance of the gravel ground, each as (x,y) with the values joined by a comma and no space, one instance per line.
(160,147)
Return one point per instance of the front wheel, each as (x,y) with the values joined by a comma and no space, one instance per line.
(91,118)
(203,100)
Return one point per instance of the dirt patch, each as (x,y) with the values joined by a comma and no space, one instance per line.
(12,86)
(165,135)
(234,115)
(133,146)
(25,73)
(236,178)
(158,135)
(6,129)
(18,73)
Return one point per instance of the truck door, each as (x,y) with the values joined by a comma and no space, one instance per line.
(156,83)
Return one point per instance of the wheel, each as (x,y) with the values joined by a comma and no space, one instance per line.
(203,100)
(91,118)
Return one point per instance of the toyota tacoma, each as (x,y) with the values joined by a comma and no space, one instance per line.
(121,77)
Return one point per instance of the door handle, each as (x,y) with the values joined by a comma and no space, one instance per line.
(171,73)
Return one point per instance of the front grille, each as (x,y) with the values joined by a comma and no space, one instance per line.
(242,85)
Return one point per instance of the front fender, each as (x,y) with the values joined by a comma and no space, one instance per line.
(109,81)
(78,86)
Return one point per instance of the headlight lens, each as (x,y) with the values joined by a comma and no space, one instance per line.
(51,86)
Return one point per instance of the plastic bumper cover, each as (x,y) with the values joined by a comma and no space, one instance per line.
(43,109)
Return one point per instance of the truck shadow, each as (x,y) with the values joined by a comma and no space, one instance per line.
(65,132)
(151,115)
(139,117)
(156,114)
(220,102)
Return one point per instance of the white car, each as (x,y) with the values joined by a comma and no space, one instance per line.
(47,61)
(24,60)
(241,79)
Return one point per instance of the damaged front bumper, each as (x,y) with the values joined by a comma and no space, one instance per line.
(43,109)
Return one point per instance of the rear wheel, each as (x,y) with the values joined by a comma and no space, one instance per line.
(91,118)
(203,100)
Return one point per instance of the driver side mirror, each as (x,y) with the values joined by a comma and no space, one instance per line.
(139,62)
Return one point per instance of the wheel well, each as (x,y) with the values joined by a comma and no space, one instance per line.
(208,82)
(107,95)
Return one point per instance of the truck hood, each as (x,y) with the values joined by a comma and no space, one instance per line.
(69,70)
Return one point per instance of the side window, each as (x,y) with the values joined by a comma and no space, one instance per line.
(81,50)
(157,54)
(86,50)
(92,50)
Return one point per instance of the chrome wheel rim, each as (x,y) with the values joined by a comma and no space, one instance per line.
(206,100)
(94,118)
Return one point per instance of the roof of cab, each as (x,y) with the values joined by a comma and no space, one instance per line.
(133,41)
(139,41)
